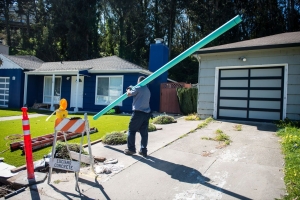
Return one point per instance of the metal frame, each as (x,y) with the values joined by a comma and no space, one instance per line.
(87,131)
(282,99)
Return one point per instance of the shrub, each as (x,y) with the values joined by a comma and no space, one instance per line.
(163,119)
(151,127)
(61,150)
(115,138)
(187,98)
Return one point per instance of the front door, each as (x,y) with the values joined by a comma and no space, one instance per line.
(79,97)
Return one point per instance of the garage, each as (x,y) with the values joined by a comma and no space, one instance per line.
(4,91)
(251,80)
(251,94)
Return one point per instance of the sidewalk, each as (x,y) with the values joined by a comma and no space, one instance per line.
(182,167)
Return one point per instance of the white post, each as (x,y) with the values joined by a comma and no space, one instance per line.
(76,94)
(25,90)
(52,93)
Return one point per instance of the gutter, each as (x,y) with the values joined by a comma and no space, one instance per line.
(246,48)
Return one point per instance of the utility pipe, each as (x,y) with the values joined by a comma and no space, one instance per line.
(234,21)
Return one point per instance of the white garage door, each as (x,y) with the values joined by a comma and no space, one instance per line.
(4,91)
(254,94)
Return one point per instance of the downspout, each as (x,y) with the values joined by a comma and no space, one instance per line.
(25,90)
(197,56)
(76,94)
(52,93)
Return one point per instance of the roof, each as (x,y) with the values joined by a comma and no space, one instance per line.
(26,62)
(289,39)
(109,64)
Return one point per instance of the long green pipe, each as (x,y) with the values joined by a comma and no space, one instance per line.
(234,21)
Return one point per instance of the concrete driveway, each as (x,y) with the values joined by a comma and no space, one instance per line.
(182,167)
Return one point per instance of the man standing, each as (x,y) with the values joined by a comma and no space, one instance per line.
(139,119)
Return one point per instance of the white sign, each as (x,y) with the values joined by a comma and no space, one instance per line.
(65,164)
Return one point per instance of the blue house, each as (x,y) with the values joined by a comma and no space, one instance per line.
(88,85)
(12,76)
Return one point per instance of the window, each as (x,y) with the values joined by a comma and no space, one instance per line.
(108,89)
(4,91)
(48,89)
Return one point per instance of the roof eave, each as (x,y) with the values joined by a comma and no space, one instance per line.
(247,48)
(65,72)
(95,71)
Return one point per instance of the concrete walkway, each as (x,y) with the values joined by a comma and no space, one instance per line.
(181,166)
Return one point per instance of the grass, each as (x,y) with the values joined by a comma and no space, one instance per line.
(5,112)
(221,137)
(290,142)
(192,117)
(205,123)
(39,126)
(238,127)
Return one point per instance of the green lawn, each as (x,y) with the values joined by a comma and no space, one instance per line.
(5,112)
(290,141)
(39,126)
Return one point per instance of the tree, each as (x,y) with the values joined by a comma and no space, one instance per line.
(4,10)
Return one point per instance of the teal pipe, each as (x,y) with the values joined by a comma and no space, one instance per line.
(234,21)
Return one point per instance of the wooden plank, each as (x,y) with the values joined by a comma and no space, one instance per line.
(84,158)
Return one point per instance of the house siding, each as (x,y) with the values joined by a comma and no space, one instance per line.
(90,89)
(209,62)
(15,86)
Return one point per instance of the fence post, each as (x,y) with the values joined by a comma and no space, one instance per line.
(27,144)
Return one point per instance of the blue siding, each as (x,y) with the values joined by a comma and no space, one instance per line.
(15,86)
(159,56)
(90,90)
(36,86)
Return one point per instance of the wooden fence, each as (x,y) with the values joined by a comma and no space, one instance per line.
(168,97)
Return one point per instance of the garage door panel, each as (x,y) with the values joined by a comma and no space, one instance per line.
(233,113)
(264,115)
(265,72)
(266,83)
(233,103)
(265,93)
(234,73)
(264,104)
(233,93)
(234,83)
(254,94)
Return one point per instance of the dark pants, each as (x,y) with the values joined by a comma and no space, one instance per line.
(139,122)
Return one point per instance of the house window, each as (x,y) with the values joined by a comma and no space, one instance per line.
(4,91)
(48,89)
(108,89)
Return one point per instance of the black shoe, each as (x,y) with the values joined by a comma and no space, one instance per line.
(128,152)
(143,154)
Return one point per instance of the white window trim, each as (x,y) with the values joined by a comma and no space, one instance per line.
(51,94)
(6,78)
(121,104)
(285,65)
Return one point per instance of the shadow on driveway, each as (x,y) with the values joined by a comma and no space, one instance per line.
(181,173)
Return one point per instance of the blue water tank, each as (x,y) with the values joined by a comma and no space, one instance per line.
(159,56)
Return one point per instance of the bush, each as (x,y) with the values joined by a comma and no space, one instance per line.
(151,127)
(163,119)
(187,98)
(61,150)
(115,138)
